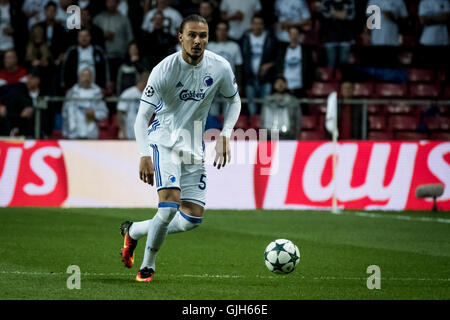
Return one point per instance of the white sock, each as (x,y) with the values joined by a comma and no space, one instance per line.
(183,222)
(180,223)
(139,229)
(157,232)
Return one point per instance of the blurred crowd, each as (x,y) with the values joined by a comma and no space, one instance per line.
(276,48)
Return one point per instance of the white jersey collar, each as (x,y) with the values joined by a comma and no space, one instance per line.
(190,66)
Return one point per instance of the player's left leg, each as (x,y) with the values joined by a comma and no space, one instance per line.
(193,196)
(187,218)
(169,200)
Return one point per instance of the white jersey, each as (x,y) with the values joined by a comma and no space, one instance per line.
(436,34)
(130,107)
(230,50)
(181,95)
(388,34)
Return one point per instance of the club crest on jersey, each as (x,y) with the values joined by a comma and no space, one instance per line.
(186,95)
(149,91)
(172,179)
(208,81)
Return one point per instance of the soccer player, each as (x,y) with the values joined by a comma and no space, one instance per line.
(179,93)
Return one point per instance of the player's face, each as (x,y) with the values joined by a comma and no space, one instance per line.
(194,39)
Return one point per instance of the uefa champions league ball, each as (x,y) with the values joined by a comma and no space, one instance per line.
(281,256)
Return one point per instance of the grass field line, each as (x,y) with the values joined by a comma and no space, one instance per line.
(219,276)
(397,217)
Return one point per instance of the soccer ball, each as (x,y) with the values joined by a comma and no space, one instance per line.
(281,256)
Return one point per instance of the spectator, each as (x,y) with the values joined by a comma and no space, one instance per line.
(12,28)
(55,35)
(80,116)
(117,33)
(434,15)
(281,111)
(172,18)
(136,16)
(259,56)
(34,11)
(11,72)
(61,13)
(392,12)
(37,53)
(94,7)
(209,11)
(164,41)
(97,37)
(81,56)
(127,109)
(239,15)
(290,13)
(296,64)
(231,51)
(130,70)
(338,30)
(17,105)
(227,48)
(6,29)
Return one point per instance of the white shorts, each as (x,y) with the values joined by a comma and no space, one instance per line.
(173,173)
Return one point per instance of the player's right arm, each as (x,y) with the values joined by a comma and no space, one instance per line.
(149,102)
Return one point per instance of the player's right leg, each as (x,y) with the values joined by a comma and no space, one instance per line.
(167,208)
(167,180)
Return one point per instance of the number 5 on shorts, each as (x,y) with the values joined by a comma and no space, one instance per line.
(202,185)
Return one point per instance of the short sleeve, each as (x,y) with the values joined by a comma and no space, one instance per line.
(228,87)
(152,92)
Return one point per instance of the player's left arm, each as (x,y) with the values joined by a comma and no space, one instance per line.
(230,91)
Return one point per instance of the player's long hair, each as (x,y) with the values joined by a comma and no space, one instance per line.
(192,18)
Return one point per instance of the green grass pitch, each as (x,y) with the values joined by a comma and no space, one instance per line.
(223,258)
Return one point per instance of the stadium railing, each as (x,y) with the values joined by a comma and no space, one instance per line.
(364,103)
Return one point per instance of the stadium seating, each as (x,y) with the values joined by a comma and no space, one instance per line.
(401,108)
(432,123)
(309,123)
(377,122)
(328,74)
(391,90)
(379,135)
(242,122)
(403,123)
(255,121)
(410,135)
(420,75)
(421,91)
(363,90)
(312,135)
(325,74)
(440,136)
(375,109)
(323,89)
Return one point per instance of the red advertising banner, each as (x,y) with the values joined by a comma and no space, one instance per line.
(369,175)
(32,173)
